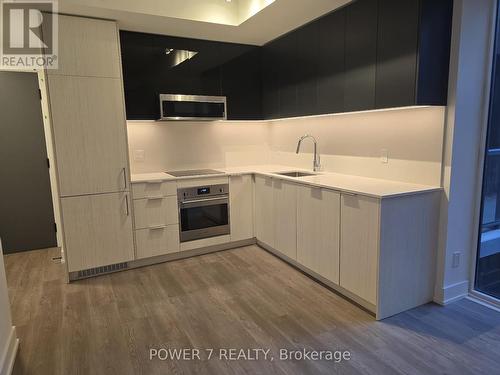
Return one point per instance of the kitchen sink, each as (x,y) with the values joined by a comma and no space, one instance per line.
(296,174)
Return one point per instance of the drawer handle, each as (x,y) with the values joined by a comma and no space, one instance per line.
(156,227)
(350,194)
(126,204)
(154,182)
(154,198)
(124,170)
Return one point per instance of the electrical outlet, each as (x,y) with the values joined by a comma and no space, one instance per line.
(139,155)
(455,262)
(384,156)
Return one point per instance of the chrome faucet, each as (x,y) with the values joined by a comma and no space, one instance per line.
(316,162)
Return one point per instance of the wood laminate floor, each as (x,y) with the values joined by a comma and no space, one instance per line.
(243,298)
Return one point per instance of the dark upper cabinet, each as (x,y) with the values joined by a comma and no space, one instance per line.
(307,69)
(397,43)
(330,80)
(286,49)
(360,55)
(434,51)
(216,69)
(368,54)
(270,87)
(413,52)
(241,83)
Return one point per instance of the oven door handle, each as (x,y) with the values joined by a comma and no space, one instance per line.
(203,202)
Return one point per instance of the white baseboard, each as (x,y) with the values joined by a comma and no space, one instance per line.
(9,353)
(452,293)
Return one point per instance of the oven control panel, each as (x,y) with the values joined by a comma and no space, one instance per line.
(202,191)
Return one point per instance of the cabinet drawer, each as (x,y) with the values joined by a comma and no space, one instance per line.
(153,189)
(149,212)
(157,241)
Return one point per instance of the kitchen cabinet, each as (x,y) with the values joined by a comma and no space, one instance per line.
(318,231)
(155,241)
(307,68)
(155,211)
(397,41)
(388,250)
(91,149)
(151,189)
(359,233)
(218,68)
(360,55)
(264,210)
(330,79)
(87,47)
(380,252)
(97,230)
(285,217)
(241,207)
(89,133)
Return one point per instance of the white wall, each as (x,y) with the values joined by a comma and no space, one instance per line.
(191,145)
(349,143)
(465,123)
(352,143)
(8,338)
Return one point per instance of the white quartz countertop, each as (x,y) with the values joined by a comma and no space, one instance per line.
(373,187)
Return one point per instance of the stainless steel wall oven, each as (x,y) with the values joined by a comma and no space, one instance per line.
(203,212)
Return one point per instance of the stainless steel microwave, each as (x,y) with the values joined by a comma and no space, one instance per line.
(192,107)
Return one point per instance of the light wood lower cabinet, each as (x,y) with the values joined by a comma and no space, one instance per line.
(318,226)
(97,230)
(152,212)
(379,252)
(154,189)
(359,245)
(241,207)
(264,210)
(155,241)
(285,217)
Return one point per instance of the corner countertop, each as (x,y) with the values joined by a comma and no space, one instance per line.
(372,187)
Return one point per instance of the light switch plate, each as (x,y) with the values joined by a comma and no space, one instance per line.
(139,155)
(384,156)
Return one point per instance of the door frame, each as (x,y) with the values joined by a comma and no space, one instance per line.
(481,161)
(49,145)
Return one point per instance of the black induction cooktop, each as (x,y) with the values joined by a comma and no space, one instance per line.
(193,172)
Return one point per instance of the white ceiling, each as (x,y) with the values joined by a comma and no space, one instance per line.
(240,21)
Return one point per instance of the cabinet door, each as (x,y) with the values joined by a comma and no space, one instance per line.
(307,68)
(264,210)
(87,47)
(241,207)
(154,212)
(359,233)
(331,62)
(318,226)
(397,53)
(97,230)
(89,134)
(285,217)
(360,55)
(157,241)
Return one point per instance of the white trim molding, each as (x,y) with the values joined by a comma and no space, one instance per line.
(452,293)
(9,353)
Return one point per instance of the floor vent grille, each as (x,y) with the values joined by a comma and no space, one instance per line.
(102,270)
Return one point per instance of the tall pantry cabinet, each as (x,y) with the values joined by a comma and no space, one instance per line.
(90,141)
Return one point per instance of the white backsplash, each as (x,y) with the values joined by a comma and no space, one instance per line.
(348,143)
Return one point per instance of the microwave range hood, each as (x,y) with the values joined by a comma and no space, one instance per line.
(192,107)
